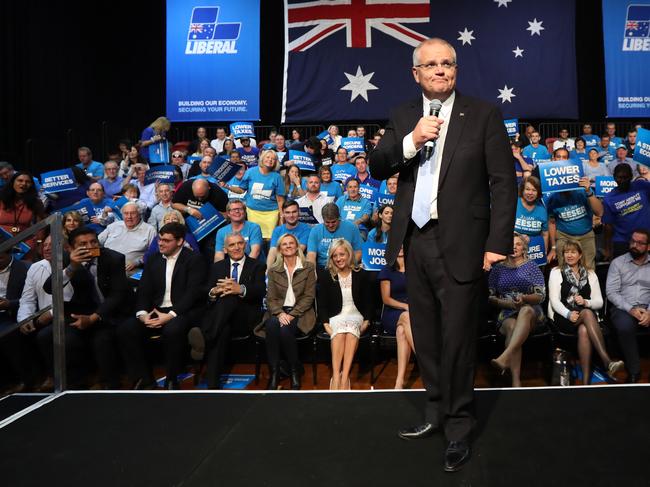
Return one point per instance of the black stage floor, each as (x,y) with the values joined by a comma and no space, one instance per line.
(12,404)
(592,436)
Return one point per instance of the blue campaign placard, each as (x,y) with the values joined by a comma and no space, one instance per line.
(604,185)
(136,275)
(302,160)
(512,126)
(86,210)
(307,215)
(537,250)
(368,192)
(56,181)
(642,148)
(385,199)
(206,40)
(342,172)
(223,170)
(626,35)
(160,174)
(559,176)
(159,152)
(211,220)
(325,135)
(373,256)
(353,144)
(242,129)
(19,250)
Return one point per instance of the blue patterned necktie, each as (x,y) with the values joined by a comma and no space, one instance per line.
(235,273)
(421,212)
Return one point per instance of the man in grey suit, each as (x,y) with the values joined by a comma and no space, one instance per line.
(454,214)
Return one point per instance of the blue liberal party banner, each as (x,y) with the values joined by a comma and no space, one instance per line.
(642,148)
(159,152)
(604,185)
(512,126)
(302,160)
(560,176)
(372,256)
(86,210)
(55,181)
(352,60)
(368,192)
(211,220)
(206,40)
(242,129)
(325,135)
(223,170)
(19,250)
(626,33)
(307,215)
(537,250)
(353,144)
(161,174)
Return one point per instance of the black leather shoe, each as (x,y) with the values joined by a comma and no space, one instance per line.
(141,385)
(633,378)
(197,342)
(417,432)
(456,455)
(295,379)
(274,379)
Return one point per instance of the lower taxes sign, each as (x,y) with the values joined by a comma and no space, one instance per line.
(373,256)
(242,130)
(559,176)
(642,148)
(56,181)
(302,160)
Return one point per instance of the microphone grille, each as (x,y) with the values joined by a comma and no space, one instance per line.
(436,105)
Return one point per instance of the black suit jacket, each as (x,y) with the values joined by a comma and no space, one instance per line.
(188,280)
(330,299)
(15,284)
(252,276)
(112,282)
(477,195)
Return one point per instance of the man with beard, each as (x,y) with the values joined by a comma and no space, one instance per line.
(626,207)
(628,289)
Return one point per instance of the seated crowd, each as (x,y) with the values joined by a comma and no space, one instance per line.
(289,256)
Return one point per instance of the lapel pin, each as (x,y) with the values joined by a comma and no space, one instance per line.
(461,114)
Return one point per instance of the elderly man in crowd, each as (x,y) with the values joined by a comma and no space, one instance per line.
(628,289)
(164,193)
(111,182)
(102,214)
(130,237)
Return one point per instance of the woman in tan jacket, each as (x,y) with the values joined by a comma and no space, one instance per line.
(290,303)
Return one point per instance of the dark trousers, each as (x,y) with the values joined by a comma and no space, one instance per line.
(133,335)
(444,319)
(281,339)
(21,353)
(226,316)
(100,338)
(626,327)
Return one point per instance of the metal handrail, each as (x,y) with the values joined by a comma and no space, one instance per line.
(54,221)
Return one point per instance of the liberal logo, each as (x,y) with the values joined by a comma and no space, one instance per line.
(637,28)
(208,36)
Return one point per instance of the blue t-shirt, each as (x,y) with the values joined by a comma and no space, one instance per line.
(372,236)
(353,210)
(615,142)
(95,169)
(113,188)
(591,172)
(607,155)
(332,189)
(232,195)
(262,189)
(300,231)
(147,134)
(627,211)
(579,156)
(342,172)
(572,212)
(591,140)
(320,239)
(99,208)
(251,232)
(249,158)
(539,153)
(532,222)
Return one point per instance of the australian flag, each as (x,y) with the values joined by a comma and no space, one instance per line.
(352,59)
(637,23)
(203,23)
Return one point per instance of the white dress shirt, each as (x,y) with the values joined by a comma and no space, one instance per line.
(239,268)
(410,151)
(169,271)
(290,298)
(34,297)
(4,279)
(316,205)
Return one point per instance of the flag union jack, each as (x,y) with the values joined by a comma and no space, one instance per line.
(358,18)
(196,28)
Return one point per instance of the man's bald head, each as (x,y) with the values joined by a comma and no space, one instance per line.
(200,188)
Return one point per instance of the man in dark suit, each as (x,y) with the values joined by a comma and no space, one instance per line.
(169,300)
(13,345)
(236,290)
(101,294)
(454,214)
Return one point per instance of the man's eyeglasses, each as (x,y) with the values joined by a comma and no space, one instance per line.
(177,155)
(638,242)
(446,65)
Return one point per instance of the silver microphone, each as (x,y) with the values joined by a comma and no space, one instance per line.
(434,110)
